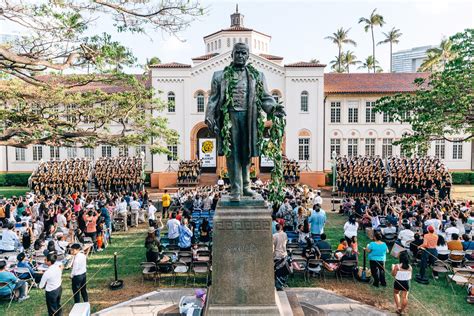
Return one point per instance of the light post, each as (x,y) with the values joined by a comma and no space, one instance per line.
(334,171)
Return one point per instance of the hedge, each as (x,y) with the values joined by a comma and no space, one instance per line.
(15,179)
(463,177)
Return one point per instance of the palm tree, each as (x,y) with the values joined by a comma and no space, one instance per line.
(437,57)
(339,38)
(373,20)
(338,64)
(391,37)
(349,58)
(314,61)
(369,64)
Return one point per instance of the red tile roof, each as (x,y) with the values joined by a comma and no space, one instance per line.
(205,57)
(170,65)
(236,29)
(271,57)
(304,64)
(335,83)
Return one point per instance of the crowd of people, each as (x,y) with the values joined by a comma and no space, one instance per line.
(119,174)
(360,175)
(61,177)
(189,171)
(291,170)
(420,176)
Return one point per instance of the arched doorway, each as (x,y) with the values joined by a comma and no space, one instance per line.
(203,146)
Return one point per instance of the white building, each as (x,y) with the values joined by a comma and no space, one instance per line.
(325,112)
(409,60)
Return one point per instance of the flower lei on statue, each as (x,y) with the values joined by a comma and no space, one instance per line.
(270,147)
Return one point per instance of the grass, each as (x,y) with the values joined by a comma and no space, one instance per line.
(437,298)
(8,192)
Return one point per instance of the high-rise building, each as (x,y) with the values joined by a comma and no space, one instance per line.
(409,60)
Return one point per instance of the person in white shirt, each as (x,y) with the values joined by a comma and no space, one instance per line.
(10,241)
(350,229)
(406,235)
(78,274)
(151,213)
(62,222)
(435,222)
(51,282)
(318,199)
(135,208)
(451,230)
(173,229)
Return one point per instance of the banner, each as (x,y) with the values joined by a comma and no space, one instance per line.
(207,152)
(266,162)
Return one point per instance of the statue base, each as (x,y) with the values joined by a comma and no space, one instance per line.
(242,269)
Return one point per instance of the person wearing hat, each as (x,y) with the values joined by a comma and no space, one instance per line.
(429,255)
(78,274)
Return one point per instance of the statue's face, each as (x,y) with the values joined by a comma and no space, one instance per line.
(240,54)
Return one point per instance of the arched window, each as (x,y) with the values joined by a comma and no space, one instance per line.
(219,43)
(200,102)
(212,46)
(208,48)
(304,137)
(304,101)
(228,42)
(171,102)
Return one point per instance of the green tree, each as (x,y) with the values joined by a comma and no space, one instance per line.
(443,105)
(369,64)
(337,64)
(340,37)
(105,106)
(373,20)
(392,37)
(349,59)
(437,57)
(314,61)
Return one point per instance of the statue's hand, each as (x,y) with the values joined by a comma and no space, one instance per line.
(279,111)
(211,125)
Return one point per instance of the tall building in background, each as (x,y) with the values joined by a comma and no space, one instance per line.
(409,60)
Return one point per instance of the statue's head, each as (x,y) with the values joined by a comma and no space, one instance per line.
(240,54)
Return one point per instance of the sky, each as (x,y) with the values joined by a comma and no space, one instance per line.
(298,28)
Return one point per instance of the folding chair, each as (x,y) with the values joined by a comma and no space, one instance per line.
(203,256)
(312,267)
(172,248)
(200,268)
(443,267)
(19,271)
(185,257)
(303,265)
(10,296)
(456,262)
(179,268)
(297,254)
(165,266)
(149,271)
(347,268)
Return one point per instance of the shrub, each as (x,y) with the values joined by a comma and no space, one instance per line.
(14,179)
(463,177)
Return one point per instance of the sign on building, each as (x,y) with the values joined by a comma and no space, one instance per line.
(207,152)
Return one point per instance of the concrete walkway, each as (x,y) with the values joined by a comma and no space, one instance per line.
(304,301)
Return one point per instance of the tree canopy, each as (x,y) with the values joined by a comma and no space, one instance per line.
(442,106)
(102,105)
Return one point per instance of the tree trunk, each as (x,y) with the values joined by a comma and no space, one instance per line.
(340,48)
(390,57)
(373,46)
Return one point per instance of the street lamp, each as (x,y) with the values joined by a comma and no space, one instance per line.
(334,171)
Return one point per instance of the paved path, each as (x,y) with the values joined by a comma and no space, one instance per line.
(312,301)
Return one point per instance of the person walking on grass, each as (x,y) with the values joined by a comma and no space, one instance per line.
(51,282)
(78,274)
(402,273)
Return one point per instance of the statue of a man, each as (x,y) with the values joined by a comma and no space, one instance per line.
(243,114)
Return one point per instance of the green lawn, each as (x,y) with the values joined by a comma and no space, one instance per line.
(437,298)
(11,191)
(434,299)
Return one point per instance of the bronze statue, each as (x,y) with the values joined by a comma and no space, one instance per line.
(243,114)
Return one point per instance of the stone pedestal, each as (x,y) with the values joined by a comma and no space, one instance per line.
(242,264)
